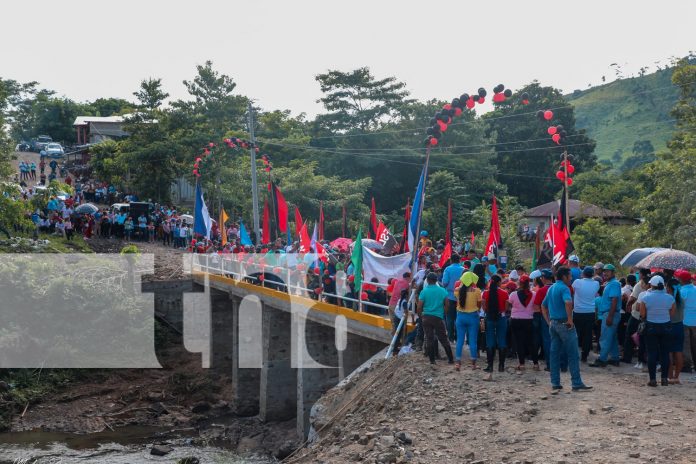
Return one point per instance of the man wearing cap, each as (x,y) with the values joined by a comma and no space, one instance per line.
(585,291)
(557,309)
(431,308)
(574,265)
(609,314)
(450,277)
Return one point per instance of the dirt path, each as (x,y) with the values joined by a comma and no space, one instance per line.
(410,412)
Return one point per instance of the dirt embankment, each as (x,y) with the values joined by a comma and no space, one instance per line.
(402,410)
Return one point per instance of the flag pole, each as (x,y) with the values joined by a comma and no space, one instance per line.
(565,189)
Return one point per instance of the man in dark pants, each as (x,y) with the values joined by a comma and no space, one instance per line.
(431,308)
(450,277)
(634,320)
(585,291)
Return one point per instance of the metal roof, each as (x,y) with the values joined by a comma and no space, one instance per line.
(85,120)
(576,208)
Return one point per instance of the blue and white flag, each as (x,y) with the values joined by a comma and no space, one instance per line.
(202,224)
(416,212)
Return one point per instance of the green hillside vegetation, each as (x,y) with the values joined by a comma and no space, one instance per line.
(624,115)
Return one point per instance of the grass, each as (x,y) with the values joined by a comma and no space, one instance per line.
(22,243)
(625,111)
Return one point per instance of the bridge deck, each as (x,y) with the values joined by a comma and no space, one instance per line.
(369,325)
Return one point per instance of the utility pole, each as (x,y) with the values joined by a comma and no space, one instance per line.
(254,188)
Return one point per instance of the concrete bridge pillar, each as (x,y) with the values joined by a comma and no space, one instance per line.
(278,392)
(222,329)
(314,382)
(246,356)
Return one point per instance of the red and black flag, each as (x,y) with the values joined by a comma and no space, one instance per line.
(321,220)
(385,237)
(373,221)
(563,245)
(281,208)
(495,240)
(266,232)
(403,248)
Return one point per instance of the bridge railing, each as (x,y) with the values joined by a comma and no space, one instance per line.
(293,281)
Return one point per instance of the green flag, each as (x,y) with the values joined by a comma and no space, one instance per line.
(357,257)
(534,260)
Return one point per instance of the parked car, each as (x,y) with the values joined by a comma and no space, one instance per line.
(54,150)
(23,146)
(40,142)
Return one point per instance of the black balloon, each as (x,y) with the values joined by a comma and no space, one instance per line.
(525,96)
(482,92)
(426,142)
(448,120)
(433,121)
(560,128)
(437,135)
(456,103)
(563,133)
(508,93)
(429,131)
(464,98)
(438,116)
(540,114)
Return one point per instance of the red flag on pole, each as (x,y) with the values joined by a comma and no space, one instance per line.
(373,221)
(281,209)
(298,222)
(473,239)
(446,254)
(321,220)
(305,241)
(407,217)
(448,232)
(266,237)
(494,239)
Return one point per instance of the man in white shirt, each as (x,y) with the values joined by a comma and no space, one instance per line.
(585,291)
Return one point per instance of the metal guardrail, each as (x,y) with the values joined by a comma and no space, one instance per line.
(227,265)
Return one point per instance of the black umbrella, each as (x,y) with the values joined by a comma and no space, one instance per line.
(634,256)
(86,208)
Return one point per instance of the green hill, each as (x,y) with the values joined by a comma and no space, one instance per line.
(626,111)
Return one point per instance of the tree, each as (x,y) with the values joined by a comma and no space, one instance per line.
(109,107)
(594,241)
(150,96)
(357,101)
(524,150)
(643,147)
(509,216)
(669,211)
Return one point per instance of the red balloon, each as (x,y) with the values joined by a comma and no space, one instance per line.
(447,106)
(552,130)
(443,126)
(457,111)
(470,103)
(525,102)
(481,99)
(433,141)
(548,115)
(560,175)
(198,160)
(195,172)
(570,182)
(556,138)
(497,99)
(363,296)
(570,168)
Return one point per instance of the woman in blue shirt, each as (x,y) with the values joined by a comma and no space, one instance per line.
(657,308)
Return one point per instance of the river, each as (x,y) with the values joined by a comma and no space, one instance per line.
(127,445)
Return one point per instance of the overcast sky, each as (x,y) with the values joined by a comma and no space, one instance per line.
(273,49)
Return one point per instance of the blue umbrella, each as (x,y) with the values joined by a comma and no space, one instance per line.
(633,257)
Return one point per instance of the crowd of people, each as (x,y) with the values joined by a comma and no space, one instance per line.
(559,315)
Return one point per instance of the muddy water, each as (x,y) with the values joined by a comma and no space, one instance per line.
(128,445)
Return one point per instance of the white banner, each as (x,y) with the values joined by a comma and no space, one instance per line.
(384,267)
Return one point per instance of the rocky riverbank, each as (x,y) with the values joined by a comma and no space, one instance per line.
(404,410)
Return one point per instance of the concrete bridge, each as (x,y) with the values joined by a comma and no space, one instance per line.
(282,351)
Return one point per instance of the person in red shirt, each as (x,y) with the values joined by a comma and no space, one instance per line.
(494,305)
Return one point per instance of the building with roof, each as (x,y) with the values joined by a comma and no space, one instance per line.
(577,211)
(95,129)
